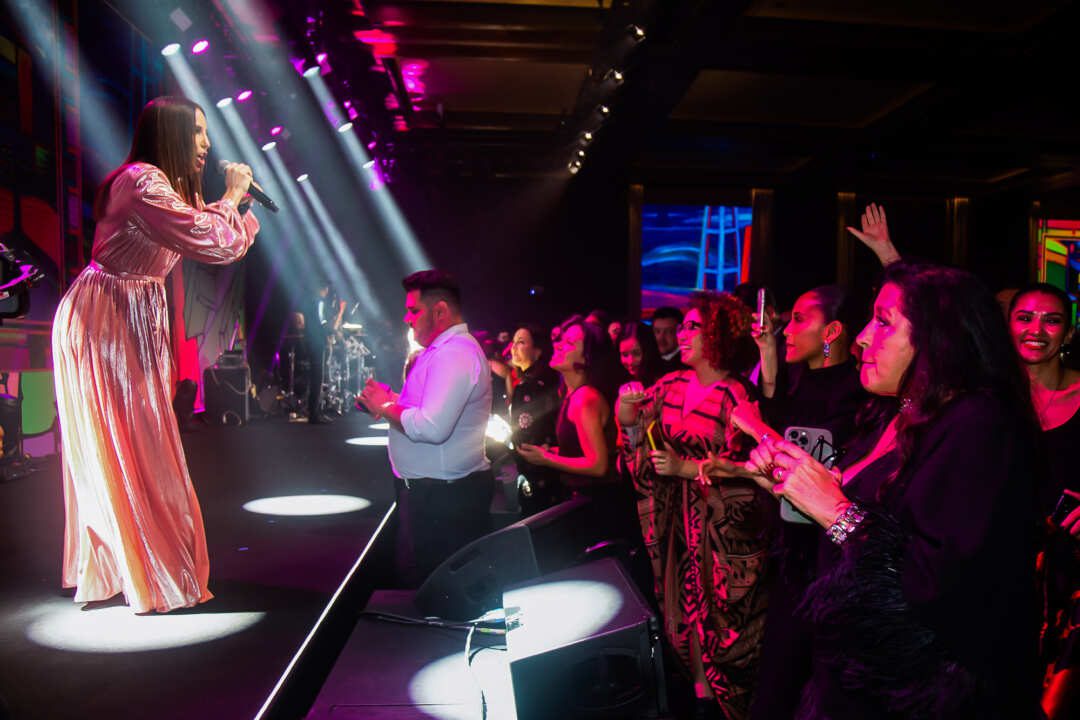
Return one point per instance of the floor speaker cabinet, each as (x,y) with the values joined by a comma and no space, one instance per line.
(226,391)
(583,643)
(470,582)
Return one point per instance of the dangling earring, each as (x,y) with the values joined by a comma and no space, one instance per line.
(905,404)
(825,349)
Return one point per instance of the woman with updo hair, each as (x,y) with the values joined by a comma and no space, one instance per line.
(707,540)
(818,388)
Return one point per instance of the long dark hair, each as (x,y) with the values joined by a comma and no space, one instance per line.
(651,362)
(541,341)
(962,346)
(164,137)
(601,363)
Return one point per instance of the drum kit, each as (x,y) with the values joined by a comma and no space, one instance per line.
(348,363)
(346,368)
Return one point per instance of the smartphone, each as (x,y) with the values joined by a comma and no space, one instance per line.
(817,442)
(1065,505)
(761,307)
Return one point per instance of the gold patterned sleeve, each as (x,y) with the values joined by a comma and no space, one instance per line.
(216,234)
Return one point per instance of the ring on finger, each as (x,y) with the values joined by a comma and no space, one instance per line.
(778,474)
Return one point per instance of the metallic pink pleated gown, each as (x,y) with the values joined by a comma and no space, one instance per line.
(133,523)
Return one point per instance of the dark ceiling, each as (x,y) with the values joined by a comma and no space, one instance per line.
(963,96)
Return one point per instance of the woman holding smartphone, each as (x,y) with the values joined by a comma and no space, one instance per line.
(1040,319)
(930,517)
(707,542)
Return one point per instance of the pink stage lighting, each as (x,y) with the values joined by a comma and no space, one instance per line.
(276,130)
(244,96)
(200,47)
(320,58)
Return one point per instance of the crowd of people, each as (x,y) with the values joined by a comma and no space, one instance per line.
(848,511)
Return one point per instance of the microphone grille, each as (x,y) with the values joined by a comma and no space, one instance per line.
(222,164)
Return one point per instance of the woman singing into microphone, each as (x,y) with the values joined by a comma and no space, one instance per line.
(133,523)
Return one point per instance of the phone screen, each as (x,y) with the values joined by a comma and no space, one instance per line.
(761,307)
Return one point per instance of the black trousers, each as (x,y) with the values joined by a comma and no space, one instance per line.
(436,518)
(316,371)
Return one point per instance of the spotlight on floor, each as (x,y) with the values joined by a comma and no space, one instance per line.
(380,426)
(63,625)
(380,441)
(304,505)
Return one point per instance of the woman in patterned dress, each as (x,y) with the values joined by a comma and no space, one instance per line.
(707,539)
(133,523)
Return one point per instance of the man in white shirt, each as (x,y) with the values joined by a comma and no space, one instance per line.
(437,430)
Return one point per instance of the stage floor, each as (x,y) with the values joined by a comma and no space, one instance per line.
(271,574)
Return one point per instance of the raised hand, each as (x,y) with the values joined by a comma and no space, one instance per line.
(875,234)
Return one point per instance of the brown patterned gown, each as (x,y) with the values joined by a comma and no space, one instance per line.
(707,544)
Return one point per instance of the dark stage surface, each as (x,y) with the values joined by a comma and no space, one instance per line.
(272,576)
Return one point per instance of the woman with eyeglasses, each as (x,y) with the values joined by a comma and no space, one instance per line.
(707,542)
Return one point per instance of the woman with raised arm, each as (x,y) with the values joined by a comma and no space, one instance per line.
(133,524)
(931,515)
(819,389)
(707,542)
(1040,318)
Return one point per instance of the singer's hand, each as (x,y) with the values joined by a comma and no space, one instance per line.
(237,181)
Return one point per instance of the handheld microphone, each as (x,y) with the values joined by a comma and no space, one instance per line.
(255,191)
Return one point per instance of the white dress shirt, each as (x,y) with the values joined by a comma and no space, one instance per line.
(447,401)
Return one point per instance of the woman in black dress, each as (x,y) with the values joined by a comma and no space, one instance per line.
(819,388)
(925,606)
(1040,318)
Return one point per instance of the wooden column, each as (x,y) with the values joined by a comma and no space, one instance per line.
(1034,251)
(957,212)
(635,201)
(847,213)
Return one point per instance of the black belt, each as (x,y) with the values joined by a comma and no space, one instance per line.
(412,483)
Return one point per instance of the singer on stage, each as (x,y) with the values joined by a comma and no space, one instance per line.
(133,523)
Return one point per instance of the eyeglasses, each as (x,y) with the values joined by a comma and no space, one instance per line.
(688,326)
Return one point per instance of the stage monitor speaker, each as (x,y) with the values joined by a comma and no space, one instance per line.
(226,389)
(583,643)
(470,582)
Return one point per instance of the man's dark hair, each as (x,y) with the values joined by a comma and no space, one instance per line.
(668,313)
(435,285)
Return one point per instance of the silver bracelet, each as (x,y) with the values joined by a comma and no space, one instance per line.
(846,524)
